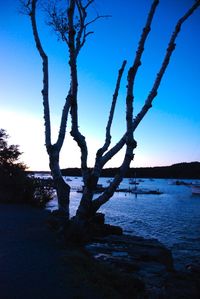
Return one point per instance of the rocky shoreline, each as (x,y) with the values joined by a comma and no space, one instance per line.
(147,262)
(150,262)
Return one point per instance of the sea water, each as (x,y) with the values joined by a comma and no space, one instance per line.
(172,217)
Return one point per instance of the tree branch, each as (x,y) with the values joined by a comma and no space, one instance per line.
(115,183)
(132,73)
(96,18)
(89,3)
(104,148)
(62,130)
(31,5)
(108,193)
(58,21)
(82,33)
(45,91)
(146,30)
(78,137)
(118,146)
(130,146)
(169,51)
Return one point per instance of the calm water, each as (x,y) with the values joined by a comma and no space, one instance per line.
(172,217)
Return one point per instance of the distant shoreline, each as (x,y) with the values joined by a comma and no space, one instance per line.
(183,170)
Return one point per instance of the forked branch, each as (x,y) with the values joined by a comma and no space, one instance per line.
(128,138)
(148,103)
(59,21)
(104,148)
(132,74)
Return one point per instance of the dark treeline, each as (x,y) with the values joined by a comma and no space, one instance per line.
(179,171)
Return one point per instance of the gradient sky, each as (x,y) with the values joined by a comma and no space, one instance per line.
(170,133)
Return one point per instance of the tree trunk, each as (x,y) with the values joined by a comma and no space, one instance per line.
(85,210)
(62,188)
(63,193)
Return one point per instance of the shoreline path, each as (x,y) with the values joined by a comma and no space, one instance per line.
(31,261)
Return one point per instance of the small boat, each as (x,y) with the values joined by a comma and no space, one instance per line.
(108,181)
(181,183)
(99,189)
(139,191)
(133,181)
(68,180)
(144,191)
(195,189)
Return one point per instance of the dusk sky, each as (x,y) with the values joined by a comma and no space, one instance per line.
(170,132)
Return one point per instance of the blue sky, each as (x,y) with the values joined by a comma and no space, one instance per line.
(168,134)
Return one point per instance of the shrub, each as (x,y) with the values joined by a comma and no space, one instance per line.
(15,184)
(43,191)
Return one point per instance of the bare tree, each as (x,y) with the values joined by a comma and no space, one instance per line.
(72,26)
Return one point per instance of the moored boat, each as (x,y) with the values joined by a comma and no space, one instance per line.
(145,191)
(196,189)
(133,181)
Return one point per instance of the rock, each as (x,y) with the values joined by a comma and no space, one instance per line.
(57,220)
(182,285)
(58,213)
(113,229)
(194,268)
(75,233)
(133,249)
(97,228)
(140,249)
(146,259)
(119,253)
(98,218)
(149,261)
(103,230)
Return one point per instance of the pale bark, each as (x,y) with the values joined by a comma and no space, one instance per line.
(132,125)
(74,32)
(132,74)
(63,123)
(130,146)
(101,159)
(85,207)
(104,148)
(62,188)
(45,90)
(166,60)
(75,40)
(73,43)
(153,93)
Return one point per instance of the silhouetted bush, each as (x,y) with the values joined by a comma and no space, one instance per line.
(15,184)
(43,191)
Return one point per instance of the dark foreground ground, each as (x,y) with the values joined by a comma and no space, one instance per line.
(35,264)
(30,260)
